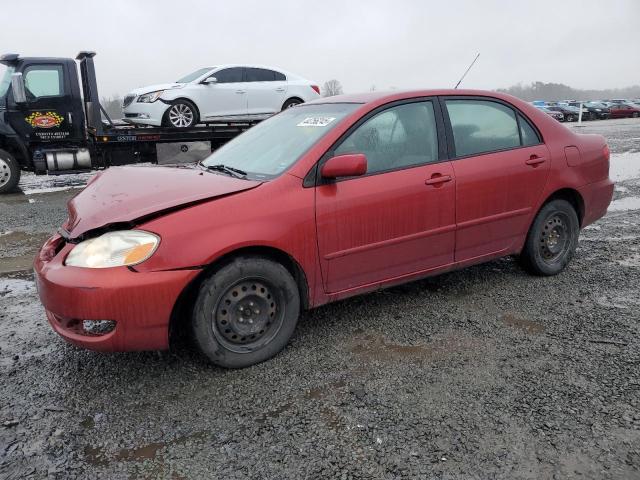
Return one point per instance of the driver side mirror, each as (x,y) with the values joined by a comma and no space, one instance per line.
(210,80)
(350,165)
(17,86)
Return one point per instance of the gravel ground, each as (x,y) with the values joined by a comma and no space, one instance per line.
(482,373)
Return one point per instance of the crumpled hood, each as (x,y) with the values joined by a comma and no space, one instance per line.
(155,88)
(126,194)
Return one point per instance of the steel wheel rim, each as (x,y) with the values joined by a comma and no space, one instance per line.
(248,315)
(5,172)
(180,115)
(555,237)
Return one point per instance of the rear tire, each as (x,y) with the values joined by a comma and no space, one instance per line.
(292,102)
(552,239)
(245,312)
(181,114)
(9,172)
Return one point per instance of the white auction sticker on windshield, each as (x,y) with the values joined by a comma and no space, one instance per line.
(316,121)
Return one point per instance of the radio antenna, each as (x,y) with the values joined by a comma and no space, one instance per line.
(465,72)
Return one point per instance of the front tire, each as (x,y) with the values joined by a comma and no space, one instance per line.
(552,239)
(635,115)
(181,114)
(246,312)
(9,172)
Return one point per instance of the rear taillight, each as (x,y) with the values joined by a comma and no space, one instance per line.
(606,153)
(316,88)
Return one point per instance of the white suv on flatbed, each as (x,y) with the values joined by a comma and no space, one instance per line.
(223,94)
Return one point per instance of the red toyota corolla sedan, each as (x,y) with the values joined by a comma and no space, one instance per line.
(323,201)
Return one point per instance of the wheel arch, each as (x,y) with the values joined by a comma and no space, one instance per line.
(183,307)
(573,197)
(171,102)
(292,97)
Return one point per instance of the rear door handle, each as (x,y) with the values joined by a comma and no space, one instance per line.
(241,91)
(280,89)
(535,160)
(437,179)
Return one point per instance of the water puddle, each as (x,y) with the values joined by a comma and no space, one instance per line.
(528,326)
(97,456)
(18,250)
(323,391)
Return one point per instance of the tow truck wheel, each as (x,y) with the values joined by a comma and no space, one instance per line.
(9,172)
(181,114)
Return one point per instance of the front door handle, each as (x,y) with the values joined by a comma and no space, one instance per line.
(535,160)
(241,91)
(437,179)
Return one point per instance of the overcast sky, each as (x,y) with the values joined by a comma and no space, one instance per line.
(389,44)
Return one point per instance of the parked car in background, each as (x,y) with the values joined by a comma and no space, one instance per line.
(569,113)
(313,205)
(592,110)
(226,93)
(624,110)
(557,115)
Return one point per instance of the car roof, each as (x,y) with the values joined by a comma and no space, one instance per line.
(385,97)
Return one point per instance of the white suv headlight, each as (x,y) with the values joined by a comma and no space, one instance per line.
(150,97)
(114,249)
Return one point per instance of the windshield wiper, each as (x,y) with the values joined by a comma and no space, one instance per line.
(234,172)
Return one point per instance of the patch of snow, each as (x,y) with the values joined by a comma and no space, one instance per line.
(624,166)
(626,203)
(631,261)
(15,287)
(48,190)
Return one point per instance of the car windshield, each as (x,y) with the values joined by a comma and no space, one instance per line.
(193,75)
(6,79)
(272,146)
(595,104)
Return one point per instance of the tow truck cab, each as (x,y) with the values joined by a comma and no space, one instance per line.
(51,122)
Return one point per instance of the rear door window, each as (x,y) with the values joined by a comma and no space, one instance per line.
(260,75)
(481,126)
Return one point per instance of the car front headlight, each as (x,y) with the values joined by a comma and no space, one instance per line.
(150,97)
(114,249)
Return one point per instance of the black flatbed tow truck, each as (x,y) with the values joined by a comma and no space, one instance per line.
(59,127)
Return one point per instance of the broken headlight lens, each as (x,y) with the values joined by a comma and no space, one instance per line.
(114,249)
(150,97)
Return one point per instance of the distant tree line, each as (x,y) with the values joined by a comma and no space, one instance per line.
(559,91)
(113,106)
